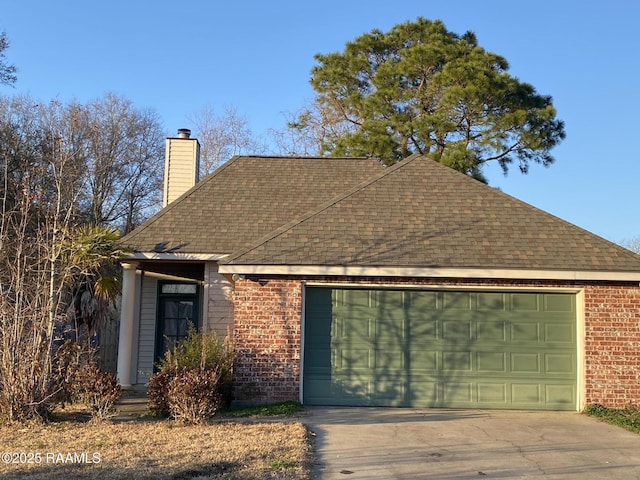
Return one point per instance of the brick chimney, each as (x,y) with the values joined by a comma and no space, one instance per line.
(181,165)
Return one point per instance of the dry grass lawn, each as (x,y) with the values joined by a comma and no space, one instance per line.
(156,449)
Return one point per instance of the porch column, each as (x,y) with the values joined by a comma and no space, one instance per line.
(127,323)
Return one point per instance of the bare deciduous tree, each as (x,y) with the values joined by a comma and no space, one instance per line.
(222,136)
(124,162)
(34,215)
(57,277)
(632,244)
(308,130)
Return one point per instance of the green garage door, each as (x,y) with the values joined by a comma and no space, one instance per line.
(440,349)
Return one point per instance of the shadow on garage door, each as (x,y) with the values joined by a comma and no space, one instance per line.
(447,348)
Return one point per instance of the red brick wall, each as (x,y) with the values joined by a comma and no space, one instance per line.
(267,333)
(267,336)
(612,345)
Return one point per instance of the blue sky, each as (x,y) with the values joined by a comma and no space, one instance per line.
(178,57)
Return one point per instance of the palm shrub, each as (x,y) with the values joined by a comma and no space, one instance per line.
(194,379)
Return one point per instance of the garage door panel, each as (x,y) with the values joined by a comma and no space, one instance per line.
(359,326)
(559,303)
(456,362)
(420,301)
(543,396)
(491,394)
(352,389)
(388,300)
(457,331)
(492,331)
(526,332)
(456,300)
(490,301)
(354,300)
(556,363)
(560,395)
(321,388)
(390,359)
(526,363)
(422,391)
(424,330)
(491,362)
(440,348)
(423,360)
(559,332)
(319,360)
(390,330)
(354,358)
(525,302)
(389,389)
(457,394)
(526,395)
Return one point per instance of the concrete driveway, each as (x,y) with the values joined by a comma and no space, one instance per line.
(356,443)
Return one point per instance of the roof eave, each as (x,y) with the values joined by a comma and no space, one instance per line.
(433,272)
(173,257)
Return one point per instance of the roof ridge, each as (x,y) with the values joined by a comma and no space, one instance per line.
(305,157)
(320,208)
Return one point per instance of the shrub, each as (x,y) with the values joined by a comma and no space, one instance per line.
(193,380)
(205,351)
(193,395)
(33,381)
(98,390)
(157,391)
(66,364)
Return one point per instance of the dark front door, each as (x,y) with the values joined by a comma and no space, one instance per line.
(178,308)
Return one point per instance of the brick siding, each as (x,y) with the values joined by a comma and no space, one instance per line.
(267,335)
(612,345)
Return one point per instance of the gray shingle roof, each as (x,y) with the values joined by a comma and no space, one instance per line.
(422,214)
(245,199)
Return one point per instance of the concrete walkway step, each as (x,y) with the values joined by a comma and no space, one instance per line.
(131,406)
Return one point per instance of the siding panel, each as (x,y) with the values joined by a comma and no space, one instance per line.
(147,332)
(219,302)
